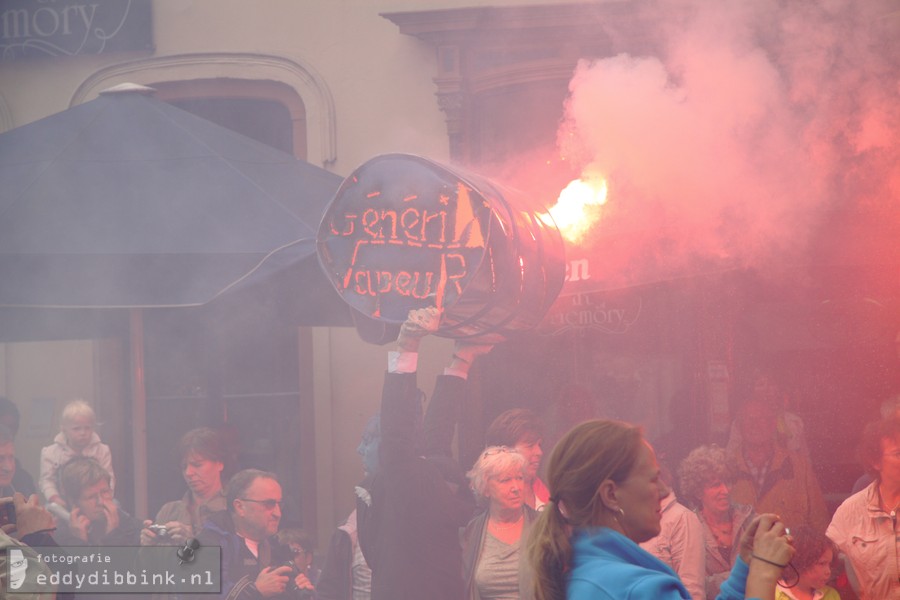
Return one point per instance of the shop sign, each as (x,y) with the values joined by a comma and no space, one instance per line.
(597,311)
(53,28)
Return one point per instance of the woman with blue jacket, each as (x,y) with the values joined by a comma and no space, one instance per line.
(605,494)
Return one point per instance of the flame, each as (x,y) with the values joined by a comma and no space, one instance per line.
(577,207)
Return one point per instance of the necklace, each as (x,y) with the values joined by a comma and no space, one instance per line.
(723,532)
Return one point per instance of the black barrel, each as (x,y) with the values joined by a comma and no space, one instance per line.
(405,232)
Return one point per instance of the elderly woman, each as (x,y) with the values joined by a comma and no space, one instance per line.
(864,525)
(704,480)
(203,457)
(521,428)
(492,541)
(605,493)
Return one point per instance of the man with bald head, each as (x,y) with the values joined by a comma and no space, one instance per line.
(254,562)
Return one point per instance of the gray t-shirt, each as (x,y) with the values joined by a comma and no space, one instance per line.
(497,573)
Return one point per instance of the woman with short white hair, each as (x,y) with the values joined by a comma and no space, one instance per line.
(493,541)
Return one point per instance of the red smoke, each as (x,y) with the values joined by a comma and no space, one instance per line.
(735,143)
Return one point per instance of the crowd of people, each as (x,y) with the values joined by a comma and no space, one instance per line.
(747,520)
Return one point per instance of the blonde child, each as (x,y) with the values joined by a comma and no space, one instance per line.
(76,438)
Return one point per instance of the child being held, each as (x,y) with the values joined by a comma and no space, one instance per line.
(76,438)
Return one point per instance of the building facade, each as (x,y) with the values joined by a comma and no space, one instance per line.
(479,84)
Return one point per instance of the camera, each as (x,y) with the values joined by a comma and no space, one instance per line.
(291,586)
(160,531)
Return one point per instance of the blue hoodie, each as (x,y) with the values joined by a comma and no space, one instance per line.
(608,565)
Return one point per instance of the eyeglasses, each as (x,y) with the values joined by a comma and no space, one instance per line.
(495,450)
(269,504)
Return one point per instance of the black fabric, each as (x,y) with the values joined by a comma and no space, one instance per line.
(336,579)
(410,535)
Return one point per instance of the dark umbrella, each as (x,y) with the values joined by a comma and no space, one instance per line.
(126,202)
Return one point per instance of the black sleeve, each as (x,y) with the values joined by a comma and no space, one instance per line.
(443,414)
(335,580)
(399,418)
(39,538)
(439,427)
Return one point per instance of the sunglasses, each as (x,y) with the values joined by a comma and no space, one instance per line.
(269,504)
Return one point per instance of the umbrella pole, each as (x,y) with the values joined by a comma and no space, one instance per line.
(138,410)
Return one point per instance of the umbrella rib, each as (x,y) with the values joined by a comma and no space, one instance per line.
(258,265)
(174,305)
(232,166)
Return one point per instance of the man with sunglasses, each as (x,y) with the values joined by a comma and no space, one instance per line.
(254,563)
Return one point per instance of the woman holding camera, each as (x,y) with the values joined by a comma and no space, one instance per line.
(605,493)
(203,458)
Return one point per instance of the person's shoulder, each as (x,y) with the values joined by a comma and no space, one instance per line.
(171,509)
(129,522)
(218,525)
(57,445)
(781,594)
(681,511)
(849,515)
(854,502)
(475,524)
(472,532)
